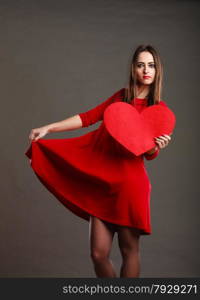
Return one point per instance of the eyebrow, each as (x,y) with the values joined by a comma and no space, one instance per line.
(143,62)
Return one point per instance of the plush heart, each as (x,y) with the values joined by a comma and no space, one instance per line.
(134,130)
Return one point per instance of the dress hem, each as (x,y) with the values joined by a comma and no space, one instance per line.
(85,212)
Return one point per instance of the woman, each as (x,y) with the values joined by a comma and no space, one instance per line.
(99,180)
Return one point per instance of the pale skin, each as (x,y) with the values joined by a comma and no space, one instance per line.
(101,233)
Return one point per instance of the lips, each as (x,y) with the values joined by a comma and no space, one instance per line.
(146,77)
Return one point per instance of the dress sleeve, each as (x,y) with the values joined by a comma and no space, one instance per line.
(163,103)
(95,114)
(152,156)
(155,154)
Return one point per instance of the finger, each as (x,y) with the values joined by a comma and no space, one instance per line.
(162,138)
(164,142)
(161,143)
(38,137)
(169,137)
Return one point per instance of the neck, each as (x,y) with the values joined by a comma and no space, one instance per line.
(142,91)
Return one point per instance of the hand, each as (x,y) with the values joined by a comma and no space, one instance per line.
(162,141)
(38,133)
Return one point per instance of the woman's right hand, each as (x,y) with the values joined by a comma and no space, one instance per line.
(38,133)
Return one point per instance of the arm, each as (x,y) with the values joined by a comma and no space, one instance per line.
(96,113)
(70,123)
(85,118)
(77,121)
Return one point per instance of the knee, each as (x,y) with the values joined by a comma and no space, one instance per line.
(98,255)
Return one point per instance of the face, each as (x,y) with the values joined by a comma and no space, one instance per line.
(145,67)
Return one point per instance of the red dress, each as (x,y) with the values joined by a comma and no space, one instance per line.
(94,175)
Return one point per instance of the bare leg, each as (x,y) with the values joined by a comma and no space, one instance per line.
(128,239)
(101,236)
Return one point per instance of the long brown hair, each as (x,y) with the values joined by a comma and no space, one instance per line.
(155,89)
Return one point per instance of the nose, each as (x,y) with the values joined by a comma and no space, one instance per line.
(145,69)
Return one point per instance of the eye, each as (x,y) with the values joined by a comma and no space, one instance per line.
(150,65)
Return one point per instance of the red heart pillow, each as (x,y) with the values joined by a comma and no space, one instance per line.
(134,130)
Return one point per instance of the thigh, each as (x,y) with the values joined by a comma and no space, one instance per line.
(128,239)
(101,235)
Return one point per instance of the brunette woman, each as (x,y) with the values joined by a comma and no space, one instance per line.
(99,180)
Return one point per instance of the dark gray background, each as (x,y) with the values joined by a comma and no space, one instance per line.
(59,58)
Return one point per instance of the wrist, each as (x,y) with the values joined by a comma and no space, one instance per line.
(152,151)
(48,128)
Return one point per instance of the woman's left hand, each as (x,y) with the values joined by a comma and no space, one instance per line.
(162,141)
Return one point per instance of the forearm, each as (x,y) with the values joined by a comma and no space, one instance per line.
(70,123)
